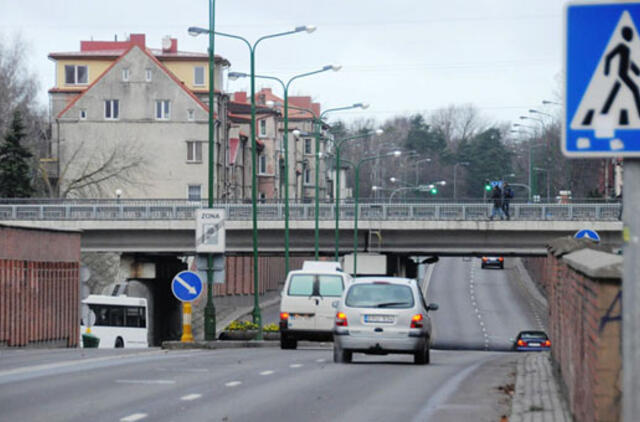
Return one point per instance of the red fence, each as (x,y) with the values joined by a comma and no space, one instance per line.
(39,287)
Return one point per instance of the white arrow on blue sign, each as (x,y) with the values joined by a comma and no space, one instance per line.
(186,286)
(602,66)
(587,234)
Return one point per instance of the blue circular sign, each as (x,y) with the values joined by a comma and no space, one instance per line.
(186,286)
(587,234)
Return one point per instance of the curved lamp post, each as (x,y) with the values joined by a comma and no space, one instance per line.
(409,186)
(396,153)
(195,31)
(285,87)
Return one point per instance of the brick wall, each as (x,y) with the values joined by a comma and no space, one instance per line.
(39,287)
(583,289)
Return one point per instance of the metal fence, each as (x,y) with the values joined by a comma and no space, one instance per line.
(183,210)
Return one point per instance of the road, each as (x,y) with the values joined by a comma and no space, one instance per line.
(268,384)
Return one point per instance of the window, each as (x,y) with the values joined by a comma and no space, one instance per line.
(330,285)
(83,114)
(125,75)
(148,75)
(194,192)
(111,109)
(163,110)
(194,152)
(263,128)
(198,76)
(119,316)
(76,75)
(308,147)
(379,296)
(301,285)
(262,164)
(191,115)
(307,176)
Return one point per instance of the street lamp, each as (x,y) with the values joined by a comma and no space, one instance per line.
(533,110)
(455,173)
(547,102)
(396,153)
(285,88)
(424,160)
(209,309)
(195,31)
(546,171)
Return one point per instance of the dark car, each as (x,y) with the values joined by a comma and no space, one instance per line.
(493,261)
(531,341)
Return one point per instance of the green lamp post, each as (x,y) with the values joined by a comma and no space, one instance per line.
(257,318)
(285,87)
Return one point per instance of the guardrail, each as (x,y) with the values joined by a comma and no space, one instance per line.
(181,210)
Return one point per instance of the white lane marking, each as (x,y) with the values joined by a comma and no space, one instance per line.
(134,417)
(190,397)
(321,360)
(266,372)
(233,383)
(482,323)
(295,365)
(145,382)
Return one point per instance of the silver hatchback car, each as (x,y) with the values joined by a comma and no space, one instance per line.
(382,315)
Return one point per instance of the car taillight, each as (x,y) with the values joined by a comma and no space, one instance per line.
(284,316)
(522,343)
(416,321)
(547,343)
(484,259)
(501,259)
(341,319)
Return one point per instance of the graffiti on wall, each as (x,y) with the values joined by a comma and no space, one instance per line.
(609,315)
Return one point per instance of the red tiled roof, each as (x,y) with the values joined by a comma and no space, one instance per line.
(160,65)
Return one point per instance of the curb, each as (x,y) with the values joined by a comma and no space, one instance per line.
(530,284)
(240,312)
(218,344)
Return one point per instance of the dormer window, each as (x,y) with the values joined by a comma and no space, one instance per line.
(76,75)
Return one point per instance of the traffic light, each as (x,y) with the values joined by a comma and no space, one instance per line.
(434,190)
(487,185)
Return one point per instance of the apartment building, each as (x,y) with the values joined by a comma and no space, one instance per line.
(134,119)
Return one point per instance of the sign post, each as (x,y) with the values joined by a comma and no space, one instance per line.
(186,287)
(602,119)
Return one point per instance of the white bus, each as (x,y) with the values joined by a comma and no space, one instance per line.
(120,321)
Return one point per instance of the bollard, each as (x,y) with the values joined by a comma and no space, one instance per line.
(187,336)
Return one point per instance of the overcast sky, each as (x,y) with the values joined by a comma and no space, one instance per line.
(401,56)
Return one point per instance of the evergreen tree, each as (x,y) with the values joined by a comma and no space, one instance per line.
(422,138)
(15,181)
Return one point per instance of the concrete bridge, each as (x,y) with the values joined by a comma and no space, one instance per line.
(423,228)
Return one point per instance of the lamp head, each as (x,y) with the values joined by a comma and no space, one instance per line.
(397,153)
(533,110)
(236,75)
(296,133)
(334,67)
(308,28)
(363,106)
(441,183)
(523,117)
(393,179)
(379,132)
(194,31)
(118,193)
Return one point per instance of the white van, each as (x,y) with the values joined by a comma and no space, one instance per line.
(305,308)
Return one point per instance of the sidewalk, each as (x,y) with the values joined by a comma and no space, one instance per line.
(537,396)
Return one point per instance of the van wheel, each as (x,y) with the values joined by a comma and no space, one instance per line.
(342,356)
(119,343)
(287,343)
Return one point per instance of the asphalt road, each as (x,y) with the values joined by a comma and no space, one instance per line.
(479,309)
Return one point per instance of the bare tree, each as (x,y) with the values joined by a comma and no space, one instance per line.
(96,172)
(457,123)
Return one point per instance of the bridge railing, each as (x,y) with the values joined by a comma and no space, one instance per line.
(182,210)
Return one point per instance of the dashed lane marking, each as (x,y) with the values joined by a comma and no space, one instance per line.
(321,360)
(134,417)
(148,382)
(233,383)
(266,372)
(190,397)
(295,365)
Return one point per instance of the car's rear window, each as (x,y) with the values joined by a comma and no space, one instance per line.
(533,336)
(330,285)
(377,295)
(301,285)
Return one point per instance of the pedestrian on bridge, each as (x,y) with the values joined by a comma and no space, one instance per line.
(507,195)
(496,195)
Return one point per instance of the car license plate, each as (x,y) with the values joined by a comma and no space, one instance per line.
(386,319)
(534,344)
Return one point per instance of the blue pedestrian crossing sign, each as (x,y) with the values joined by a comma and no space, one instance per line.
(602,67)
(587,234)
(186,286)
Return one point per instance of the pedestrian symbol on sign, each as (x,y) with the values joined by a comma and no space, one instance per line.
(612,99)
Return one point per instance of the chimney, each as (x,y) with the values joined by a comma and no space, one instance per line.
(240,97)
(137,39)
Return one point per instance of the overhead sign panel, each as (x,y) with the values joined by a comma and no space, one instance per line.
(602,65)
